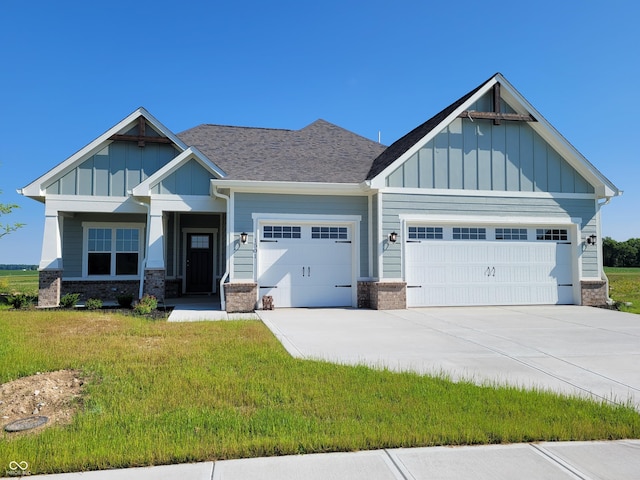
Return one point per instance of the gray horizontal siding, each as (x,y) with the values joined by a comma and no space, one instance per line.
(248,203)
(115,171)
(478,155)
(548,208)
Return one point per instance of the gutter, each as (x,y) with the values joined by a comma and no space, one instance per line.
(227,252)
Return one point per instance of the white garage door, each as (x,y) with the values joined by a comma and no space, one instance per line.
(447,266)
(306,265)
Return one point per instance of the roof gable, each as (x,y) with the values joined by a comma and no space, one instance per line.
(511,108)
(140,127)
(179,176)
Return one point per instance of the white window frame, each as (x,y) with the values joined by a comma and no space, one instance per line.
(113,227)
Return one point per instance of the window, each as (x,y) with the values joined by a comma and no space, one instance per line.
(557,234)
(200,241)
(425,233)
(108,257)
(338,233)
(511,233)
(280,231)
(469,233)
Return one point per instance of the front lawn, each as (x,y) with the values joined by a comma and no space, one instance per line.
(160,393)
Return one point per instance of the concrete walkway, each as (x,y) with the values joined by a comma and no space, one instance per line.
(567,349)
(549,461)
(202,308)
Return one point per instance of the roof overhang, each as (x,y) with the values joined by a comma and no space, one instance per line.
(300,188)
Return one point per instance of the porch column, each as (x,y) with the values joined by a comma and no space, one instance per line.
(50,268)
(154,272)
(155,249)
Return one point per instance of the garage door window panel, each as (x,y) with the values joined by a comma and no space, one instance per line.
(511,234)
(469,233)
(426,233)
(552,234)
(336,233)
(281,231)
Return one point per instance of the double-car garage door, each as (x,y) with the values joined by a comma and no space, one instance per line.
(306,265)
(467,265)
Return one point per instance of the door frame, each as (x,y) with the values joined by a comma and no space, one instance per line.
(214,255)
(352,221)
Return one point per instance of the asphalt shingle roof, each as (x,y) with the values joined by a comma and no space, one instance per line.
(400,146)
(320,152)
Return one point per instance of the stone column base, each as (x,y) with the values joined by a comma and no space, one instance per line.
(382,295)
(154,283)
(240,297)
(594,293)
(49,286)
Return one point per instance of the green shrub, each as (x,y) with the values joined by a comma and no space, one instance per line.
(21,300)
(125,300)
(93,304)
(146,305)
(69,300)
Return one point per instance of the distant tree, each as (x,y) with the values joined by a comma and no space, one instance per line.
(621,254)
(5,229)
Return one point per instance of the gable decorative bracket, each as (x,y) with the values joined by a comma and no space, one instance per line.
(141,138)
(496,115)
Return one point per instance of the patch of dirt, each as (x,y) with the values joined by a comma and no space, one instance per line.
(51,394)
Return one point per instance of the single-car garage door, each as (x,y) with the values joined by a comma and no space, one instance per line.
(306,265)
(466,265)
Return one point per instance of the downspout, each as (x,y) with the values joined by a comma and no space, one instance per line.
(146,245)
(603,275)
(226,248)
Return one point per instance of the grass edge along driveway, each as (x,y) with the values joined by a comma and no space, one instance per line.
(160,393)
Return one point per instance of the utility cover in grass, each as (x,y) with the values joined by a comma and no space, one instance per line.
(26,423)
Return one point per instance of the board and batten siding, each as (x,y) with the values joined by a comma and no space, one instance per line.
(246,204)
(393,205)
(114,170)
(190,179)
(478,155)
(72,237)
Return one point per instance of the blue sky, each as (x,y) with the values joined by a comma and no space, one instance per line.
(73,69)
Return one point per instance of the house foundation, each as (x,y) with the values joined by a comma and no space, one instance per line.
(382,295)
(241,297)
(154,283)
(594,293)
(49,288)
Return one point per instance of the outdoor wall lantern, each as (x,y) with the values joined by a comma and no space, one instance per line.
(591,240)
(393,237)
(243,237)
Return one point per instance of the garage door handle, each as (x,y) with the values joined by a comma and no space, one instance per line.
(343,241)
(414,286)
(343,286)
(269,286)
(493,272)
(488,271)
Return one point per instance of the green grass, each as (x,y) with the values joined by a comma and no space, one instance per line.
(624,286)
(18,281)
(160,393)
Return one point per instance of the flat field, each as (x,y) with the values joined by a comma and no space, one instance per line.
(624,287)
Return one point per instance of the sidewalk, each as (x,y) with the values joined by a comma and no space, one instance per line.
(618,460)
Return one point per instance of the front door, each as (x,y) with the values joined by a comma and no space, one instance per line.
(199,263)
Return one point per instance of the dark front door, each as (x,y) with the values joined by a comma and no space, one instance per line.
(199,263)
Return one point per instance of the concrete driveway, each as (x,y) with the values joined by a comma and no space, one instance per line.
(567,349)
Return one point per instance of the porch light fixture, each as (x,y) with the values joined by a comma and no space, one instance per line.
(243,238)
(393,237)
(591,240)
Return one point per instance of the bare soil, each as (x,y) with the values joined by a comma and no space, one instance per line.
(54,395)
